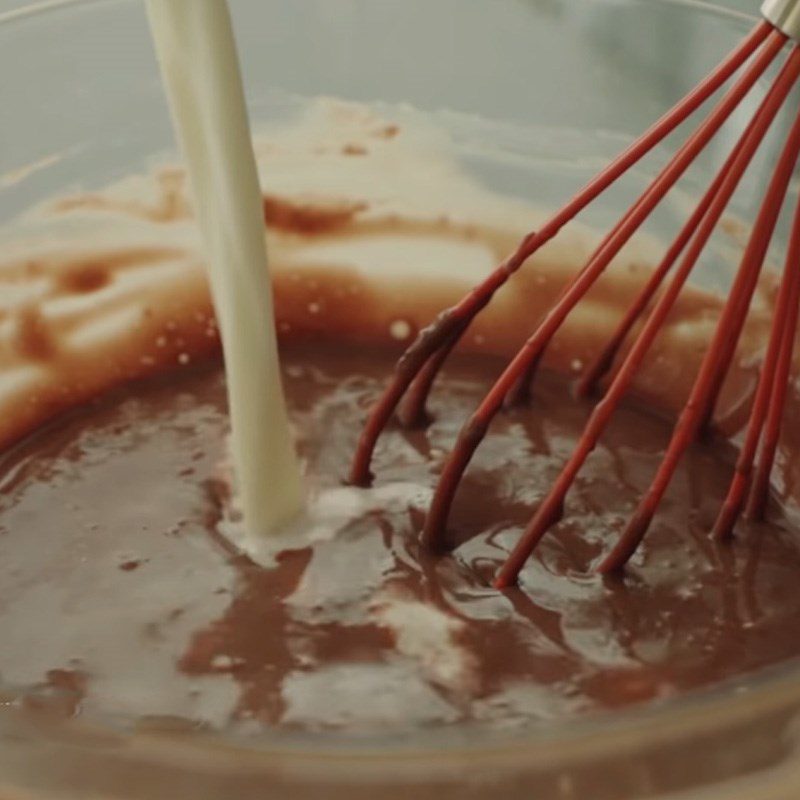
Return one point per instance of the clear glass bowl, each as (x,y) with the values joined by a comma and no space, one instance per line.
(83,105)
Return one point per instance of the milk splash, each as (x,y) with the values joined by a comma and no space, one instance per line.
(197,53)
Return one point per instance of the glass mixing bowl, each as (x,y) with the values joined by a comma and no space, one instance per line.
(557,85)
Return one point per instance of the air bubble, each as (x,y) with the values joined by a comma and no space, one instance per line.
(400,329)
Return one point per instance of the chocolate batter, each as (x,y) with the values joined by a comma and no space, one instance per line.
(121,593)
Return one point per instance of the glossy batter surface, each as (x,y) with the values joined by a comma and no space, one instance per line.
(120,594)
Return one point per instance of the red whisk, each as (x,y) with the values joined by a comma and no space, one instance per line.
(417,369)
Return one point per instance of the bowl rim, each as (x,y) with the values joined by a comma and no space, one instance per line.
(38,7)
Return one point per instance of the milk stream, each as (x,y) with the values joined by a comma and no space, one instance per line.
(197,54)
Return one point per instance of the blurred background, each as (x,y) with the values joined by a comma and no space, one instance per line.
(741,5)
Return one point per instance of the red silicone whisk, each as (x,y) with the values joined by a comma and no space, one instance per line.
(417,369)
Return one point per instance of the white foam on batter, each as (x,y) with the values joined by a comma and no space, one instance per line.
(429,636)
(327,512)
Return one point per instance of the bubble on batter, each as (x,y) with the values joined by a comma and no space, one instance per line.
(400,329)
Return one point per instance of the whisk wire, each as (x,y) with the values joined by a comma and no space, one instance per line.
(416,371)
(598,368)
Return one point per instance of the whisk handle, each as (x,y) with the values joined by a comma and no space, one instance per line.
(784,15)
